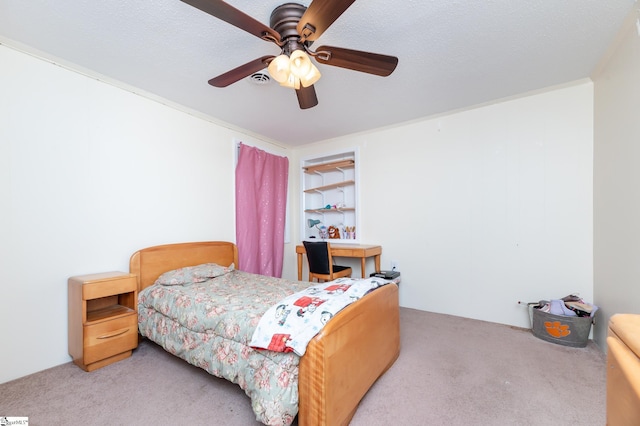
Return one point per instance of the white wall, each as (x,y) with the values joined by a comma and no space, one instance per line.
(89,173)
(483,208)
(480,208)
(617,181)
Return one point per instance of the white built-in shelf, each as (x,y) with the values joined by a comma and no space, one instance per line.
(330,180)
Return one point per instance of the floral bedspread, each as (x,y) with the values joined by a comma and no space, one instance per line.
(210,324)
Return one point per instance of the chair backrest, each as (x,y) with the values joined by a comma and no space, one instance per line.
(318,256)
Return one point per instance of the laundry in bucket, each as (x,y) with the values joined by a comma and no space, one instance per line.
(569,306)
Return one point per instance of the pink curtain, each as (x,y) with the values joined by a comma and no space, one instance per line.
(261,198)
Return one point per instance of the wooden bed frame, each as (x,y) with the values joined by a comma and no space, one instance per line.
(340,364)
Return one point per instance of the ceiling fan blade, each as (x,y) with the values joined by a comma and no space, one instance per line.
(241,72)
(307,97)
(372,63)
(233,16)
(319,16)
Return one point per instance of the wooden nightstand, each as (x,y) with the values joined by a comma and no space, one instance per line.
(103,318)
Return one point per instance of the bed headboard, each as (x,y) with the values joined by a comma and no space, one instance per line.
(151,262)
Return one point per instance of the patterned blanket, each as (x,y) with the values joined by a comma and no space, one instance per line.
(289,325)
(209,324)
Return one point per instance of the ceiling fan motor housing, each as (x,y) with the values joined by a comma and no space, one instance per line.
(284,19)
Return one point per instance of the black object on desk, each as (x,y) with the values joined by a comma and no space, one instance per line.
(387,275)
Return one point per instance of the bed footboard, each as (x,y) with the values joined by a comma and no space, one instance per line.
(344,360)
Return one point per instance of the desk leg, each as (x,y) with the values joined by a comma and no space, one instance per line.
(377,262)
(363,262)
(299,266)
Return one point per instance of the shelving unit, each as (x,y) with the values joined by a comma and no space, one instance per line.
(329,195)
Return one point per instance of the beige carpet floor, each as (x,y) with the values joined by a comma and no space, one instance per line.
(451,371)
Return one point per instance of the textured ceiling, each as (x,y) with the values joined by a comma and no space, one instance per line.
(452,54)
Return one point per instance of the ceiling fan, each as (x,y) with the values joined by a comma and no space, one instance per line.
(294,27)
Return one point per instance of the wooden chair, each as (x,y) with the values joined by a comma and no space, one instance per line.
(321,264)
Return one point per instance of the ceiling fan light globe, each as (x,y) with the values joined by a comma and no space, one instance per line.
(312,77)
(279,68)
(300,64)
(292,82)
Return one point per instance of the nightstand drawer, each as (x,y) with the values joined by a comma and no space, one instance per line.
(109,338)
(109,287)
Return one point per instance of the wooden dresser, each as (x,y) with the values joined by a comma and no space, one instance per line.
(623,370)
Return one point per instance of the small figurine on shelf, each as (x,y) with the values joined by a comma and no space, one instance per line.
(334,232)
(323,232)
(350,232)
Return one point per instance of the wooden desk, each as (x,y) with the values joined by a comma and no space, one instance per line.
(347,250)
